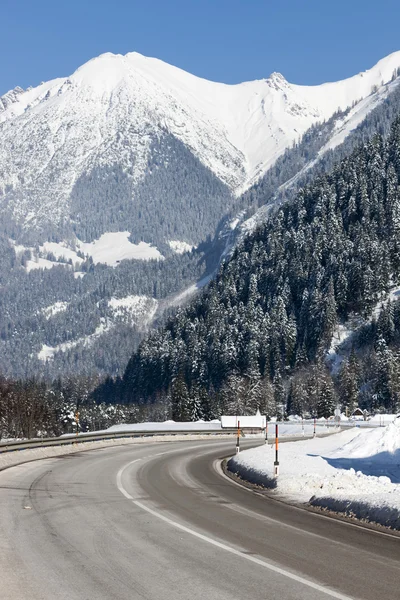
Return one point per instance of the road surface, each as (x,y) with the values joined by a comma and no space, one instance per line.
(157,521)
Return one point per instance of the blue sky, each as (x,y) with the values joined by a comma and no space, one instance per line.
(309,41)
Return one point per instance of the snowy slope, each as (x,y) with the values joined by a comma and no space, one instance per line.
(107,112)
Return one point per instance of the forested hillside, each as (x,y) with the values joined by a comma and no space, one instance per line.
(163,175)
(27,325)
(271,313)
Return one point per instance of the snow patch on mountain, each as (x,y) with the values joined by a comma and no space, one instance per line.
(344,334)
(48,352)
(61,251)
(54,309)
(138,310)
(180,247)
(10,98)
(113,247)
(40,263)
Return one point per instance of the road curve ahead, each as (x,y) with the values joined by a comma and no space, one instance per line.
(156,521)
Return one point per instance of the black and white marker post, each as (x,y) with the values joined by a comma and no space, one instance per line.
(266,431)
(238,438)
(276,463)
(315,426)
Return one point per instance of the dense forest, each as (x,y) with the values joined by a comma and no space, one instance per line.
(259,335)
(30,408)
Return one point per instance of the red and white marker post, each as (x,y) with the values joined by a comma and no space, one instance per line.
(276,463)
(238,439)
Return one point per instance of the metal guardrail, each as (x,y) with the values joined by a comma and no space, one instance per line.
(12,446)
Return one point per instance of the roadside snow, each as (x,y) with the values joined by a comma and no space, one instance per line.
(356,472)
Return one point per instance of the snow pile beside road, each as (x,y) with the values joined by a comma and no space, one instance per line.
(382,440)
(354,472)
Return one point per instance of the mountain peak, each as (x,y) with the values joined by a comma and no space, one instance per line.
(10,98)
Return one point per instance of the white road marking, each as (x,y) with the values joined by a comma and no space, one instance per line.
(231,550)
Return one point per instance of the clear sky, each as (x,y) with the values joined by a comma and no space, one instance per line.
(308,41)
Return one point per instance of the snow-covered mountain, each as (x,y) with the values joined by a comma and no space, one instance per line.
(108,114)
(125,181)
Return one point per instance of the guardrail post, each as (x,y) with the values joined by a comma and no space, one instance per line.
(276,463)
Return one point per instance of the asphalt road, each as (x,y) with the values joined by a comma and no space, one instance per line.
(157,521)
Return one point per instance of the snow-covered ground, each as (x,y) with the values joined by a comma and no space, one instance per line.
(61,251)
(115,246)
(48,352)
(134,309)
(356,472)
(343,336)
(180,247)
(110,249)
(54,309)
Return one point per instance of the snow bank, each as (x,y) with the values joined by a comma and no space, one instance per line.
(355,472)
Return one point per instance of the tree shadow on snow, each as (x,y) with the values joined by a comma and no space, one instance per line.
(382,464)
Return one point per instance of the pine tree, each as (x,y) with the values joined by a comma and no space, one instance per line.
(327,401)
(349,383)
(180,400)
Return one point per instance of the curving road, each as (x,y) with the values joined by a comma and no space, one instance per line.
(158,521)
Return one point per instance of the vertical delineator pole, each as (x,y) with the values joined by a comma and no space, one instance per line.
(302,425)
(77,423)
(266,431)
(238,439)
(276,463)
(315,427)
